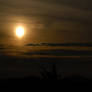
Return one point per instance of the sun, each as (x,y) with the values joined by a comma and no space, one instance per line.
(20,31)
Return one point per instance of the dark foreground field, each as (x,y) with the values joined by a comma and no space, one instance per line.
(64,71)
(73,81)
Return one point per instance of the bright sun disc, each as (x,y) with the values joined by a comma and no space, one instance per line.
(20,32)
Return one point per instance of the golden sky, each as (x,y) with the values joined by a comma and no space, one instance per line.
(45,21)
(48,20)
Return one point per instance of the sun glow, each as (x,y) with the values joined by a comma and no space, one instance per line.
(20,31)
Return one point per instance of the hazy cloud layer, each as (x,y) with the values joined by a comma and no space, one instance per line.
(60,44)
(53,20)
(54,49)
(60,52)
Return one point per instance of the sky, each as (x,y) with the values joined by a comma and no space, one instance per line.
(44,21)
(47,20)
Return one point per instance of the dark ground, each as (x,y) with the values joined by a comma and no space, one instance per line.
(70,72)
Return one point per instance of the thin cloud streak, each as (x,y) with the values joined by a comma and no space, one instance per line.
(60,44)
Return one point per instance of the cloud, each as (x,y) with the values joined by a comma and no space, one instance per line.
(1,48)
(85,4)
(60,44)
(60,52)
(44,10)
(35,7)
(68,20)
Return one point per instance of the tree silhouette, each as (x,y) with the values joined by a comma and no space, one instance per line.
(50,75)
